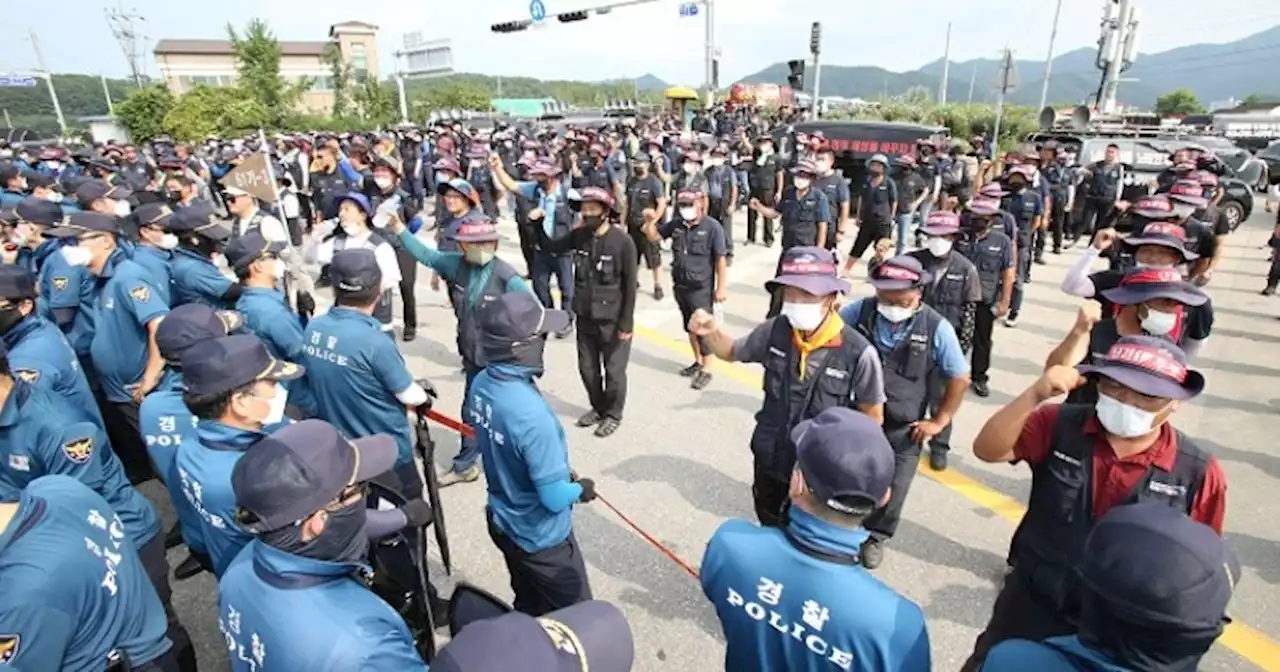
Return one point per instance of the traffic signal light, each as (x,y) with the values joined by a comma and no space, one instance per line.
(815,37)
(796,79)
(510,26)
(570,17)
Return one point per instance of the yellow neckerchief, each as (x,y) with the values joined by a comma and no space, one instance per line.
(820,338)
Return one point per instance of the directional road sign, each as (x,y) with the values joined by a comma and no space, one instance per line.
(537,10)
(6,81)
(689,9)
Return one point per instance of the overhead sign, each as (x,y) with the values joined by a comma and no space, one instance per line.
(537,10)
(689,9)
(8,81)
(252,176)
(426,58)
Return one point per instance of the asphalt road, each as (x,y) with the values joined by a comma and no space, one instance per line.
(680,465)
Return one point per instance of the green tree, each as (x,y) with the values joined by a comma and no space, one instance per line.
(447,95)
(341,72)
(144,110)
(378,103)
(258,73)
(1257,99)
(1178,101)
(225,111)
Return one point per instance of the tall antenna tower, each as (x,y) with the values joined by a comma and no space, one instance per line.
(124,27)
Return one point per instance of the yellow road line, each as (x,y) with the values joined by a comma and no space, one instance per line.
(1251,644)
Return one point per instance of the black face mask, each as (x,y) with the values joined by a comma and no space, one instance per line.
(10,316)
(593,221)
(343,538)
(1017,186)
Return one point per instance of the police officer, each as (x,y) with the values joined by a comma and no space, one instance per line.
(602,639)
(1103,185)
(699,275)
(260,270)
(550,198)
(917,347)
(13,186)
(812,361)
(604,300)
(386,195)
(531,489)
(956,293)
(992,253)
(355,232)
(293,600)
(1141,381)
(823,610)
(154,250)
(358,379)
(100,196)
(764,174)
(832,184)
(722,195)
(876,207)
(1027,208)
(1154,590)
(76,593)
(646,205)
(196,278)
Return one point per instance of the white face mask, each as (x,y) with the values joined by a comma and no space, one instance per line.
(275,412)
(1183,210)
(803,316)
(478,256)
(1122,419)
(938,247)
(1157,323)
(689,214)
(352,228)
(167,242)
(895,314)
(277,269)
(717,162)
(1139,264)
(53,197)
(55,166)
(123,209)
(690,168)
(802,183)
(382,182)
(76,255)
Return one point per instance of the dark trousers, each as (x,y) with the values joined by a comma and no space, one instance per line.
(528,237)
(468,449)
(153,560)
(766,225)
(409,481)
(1021,275)
(983,326)
(1273,275)
(602,363)
(545,581)
(769,496)
(938,390)
(1017,614)
(408,281)
(125,433)
(1057,219)
(883,523)
(723,213)
(545,265)
(1094,216)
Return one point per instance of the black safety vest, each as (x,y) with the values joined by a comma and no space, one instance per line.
(1049,542)
(987,254)
(562,221)
(906,366)
(642,193)
(1022,206)
(830,186)
(719,184)
(593,176)
(692,265)
(597,280)
(382,309)
(946,292)
(469,345)
(800,221)
(788,400)
(1105,183)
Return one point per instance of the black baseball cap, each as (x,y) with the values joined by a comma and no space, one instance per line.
(298,469)
(223,364)
(844,456)
(154,214)
(193,323)
(590,635)
(355,271)
(515,318)
(8,171)
(93,190)
(16,282)
(38,211)
(79,223)
(41,181)
(249,248)
(198,218)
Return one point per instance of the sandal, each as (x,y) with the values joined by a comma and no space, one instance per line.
(607,427)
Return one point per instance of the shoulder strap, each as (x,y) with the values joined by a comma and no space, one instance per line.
(866,322)
(504,271)
(1071,417)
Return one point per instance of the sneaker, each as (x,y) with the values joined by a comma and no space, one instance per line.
(980,388)
(658,293)
(1011,321)
(691,369)
(408,335)
(565,333)
(872,553)
(1269,290)
(701,379)
(938,460)
(452,477)
(607,426)
(591,418)
(1039,259)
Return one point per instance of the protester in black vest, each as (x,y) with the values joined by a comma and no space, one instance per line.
(645,206)
(992,253)
(1086,459)
(917,346)
(387,197)
(812,361)
(1103,185)
(722,195)
(698,272)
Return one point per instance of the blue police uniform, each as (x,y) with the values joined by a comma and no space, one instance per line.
(1056,654)
(128,301)
(166,424)
(285,612)
(39,354)
(64,286)
(41,434)
(197,280)
(266,313)
(156,261)
(74,588)
(355,373)
(785,608)
(10,198)
(203,472)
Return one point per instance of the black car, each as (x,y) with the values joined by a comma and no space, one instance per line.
(1270,156)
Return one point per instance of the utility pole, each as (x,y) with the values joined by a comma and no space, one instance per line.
(7,121)
(973,79)
(48,79)
(815,47)
(946,67)
(709,7)
(1004,84)
(123,28)
(1048,61)
(106,92)
(1117,48)
(499,86)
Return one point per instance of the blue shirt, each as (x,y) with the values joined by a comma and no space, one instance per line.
(523,447)
(127,303)
(267,314)
(64,286)
(10,198)
(39,354)
(166,424)
(532,191)
(355,372)
(945,349)
(1056,654)
(203,470)
(73,586)
(307,615)
(156,261)
(41,434)
(449,264)
(197,280)
(783,609)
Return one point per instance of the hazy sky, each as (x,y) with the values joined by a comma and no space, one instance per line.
(895,34)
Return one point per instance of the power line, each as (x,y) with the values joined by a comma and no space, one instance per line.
(124,29)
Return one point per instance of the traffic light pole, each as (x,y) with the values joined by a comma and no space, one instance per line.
(817,85)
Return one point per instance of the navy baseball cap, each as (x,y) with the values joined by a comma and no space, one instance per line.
(16,283)
(355,271)
(517,317)
(198,218)
(42,181)
(93,190)
(302,467)
(355,197)
(8,171)
(79,223)
(901,272)
(34,210)
(1164,234)
(223,364)
(249,248)
(193,323)
(590,635)
(812,269)
(844,455)
(1152,566)
(1149,365)
(154,214)
(1143,284)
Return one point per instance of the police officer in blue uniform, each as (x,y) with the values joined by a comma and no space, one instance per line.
(66,286)
(699,273)
(918,347)
(257,263)
(992,253)
(359,379)
(531,489)
(196,279)
(13,186)
(795,597)
(1027,208)
(233,385)
(76,594)
(154,250)
(476,276)
(293,601)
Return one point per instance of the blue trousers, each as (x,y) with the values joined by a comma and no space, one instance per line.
(904,230)
(545,265)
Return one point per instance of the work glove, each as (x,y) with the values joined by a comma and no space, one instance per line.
(418,513)
(588,490)
(432,395)
(306,304)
